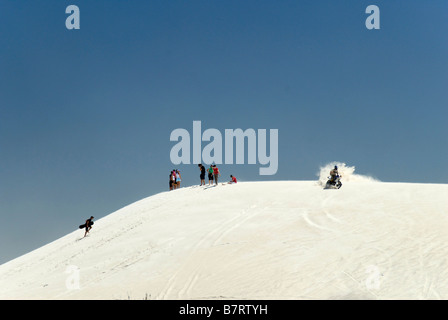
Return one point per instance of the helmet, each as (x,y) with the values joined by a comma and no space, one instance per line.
(336,167)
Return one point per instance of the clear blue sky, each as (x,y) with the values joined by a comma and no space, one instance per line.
(86,115)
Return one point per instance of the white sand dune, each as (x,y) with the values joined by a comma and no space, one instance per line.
(252,240)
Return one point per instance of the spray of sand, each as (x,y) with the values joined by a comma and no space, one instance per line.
(348,173)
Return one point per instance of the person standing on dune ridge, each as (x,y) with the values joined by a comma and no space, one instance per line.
(210,175)
(216,173)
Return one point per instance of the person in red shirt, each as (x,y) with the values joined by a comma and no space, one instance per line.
(233,179)
(216,173)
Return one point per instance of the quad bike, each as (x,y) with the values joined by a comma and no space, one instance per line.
(333,182)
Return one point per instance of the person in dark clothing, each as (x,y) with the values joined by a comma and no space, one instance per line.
(171,181)
(202,176)
(88,225)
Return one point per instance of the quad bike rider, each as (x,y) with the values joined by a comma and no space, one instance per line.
(334,180)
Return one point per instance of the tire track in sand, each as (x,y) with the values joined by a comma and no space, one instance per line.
(192,263)
(326,215)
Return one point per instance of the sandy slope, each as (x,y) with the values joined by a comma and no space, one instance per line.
(253,240)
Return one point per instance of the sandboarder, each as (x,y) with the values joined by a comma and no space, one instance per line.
(87,225)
